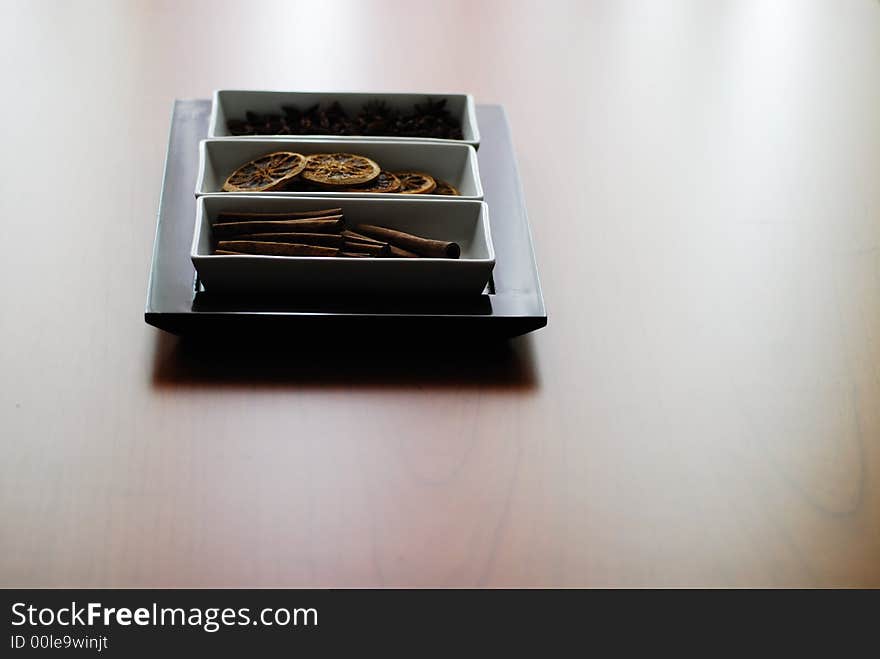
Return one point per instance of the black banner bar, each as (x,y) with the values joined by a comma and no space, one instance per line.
(134,623)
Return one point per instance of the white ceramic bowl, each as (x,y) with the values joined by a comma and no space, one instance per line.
(455,163)
(462,221)
(233,104)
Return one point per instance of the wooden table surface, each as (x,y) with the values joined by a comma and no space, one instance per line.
(703,181)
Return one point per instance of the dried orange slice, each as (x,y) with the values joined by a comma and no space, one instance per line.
(416,182)
(268,172)
(445,188)
(385,182)
(340,169)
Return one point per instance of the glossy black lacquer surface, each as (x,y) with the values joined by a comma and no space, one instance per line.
(512,305)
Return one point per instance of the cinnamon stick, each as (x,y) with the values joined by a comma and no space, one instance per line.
(355,255)
(235,216)
(275,249)
(361,237)
(326,239)
(397,252)
(323,225)
(423,246)
(381,249)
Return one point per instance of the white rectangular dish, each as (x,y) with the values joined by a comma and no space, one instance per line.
(234,104)
(462,221)
(455,163)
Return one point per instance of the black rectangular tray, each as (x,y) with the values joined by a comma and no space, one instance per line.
(511,305)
